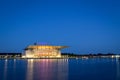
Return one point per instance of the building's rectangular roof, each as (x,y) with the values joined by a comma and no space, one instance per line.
(45,47)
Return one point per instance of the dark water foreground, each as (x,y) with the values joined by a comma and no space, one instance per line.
(60,69)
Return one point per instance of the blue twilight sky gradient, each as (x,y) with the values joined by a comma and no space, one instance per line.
(87,26)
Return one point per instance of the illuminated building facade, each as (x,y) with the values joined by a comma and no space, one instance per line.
(43,51)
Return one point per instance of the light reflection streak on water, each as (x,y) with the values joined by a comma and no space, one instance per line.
(118,69)
(14,68)
(5,69)
(63,70)
(29,75)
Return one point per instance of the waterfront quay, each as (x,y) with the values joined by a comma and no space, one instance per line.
(63,56)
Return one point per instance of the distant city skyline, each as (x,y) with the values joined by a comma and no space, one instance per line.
(87,26)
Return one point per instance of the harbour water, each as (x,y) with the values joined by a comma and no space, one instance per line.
(60,69)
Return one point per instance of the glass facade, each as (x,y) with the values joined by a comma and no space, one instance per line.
(43,51)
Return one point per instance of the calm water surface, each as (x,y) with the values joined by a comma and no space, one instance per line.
(60,69)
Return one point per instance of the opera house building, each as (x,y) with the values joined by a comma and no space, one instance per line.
(43,51)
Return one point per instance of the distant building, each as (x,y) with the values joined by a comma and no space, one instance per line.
(10,55)
(43,51)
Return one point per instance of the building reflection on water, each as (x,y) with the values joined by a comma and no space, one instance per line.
(47,69)
(54,69)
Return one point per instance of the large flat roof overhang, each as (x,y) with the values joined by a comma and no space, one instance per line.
(45,47)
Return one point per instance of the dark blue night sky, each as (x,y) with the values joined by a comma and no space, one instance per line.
(87,26)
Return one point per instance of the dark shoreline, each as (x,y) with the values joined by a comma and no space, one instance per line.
(63,56)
